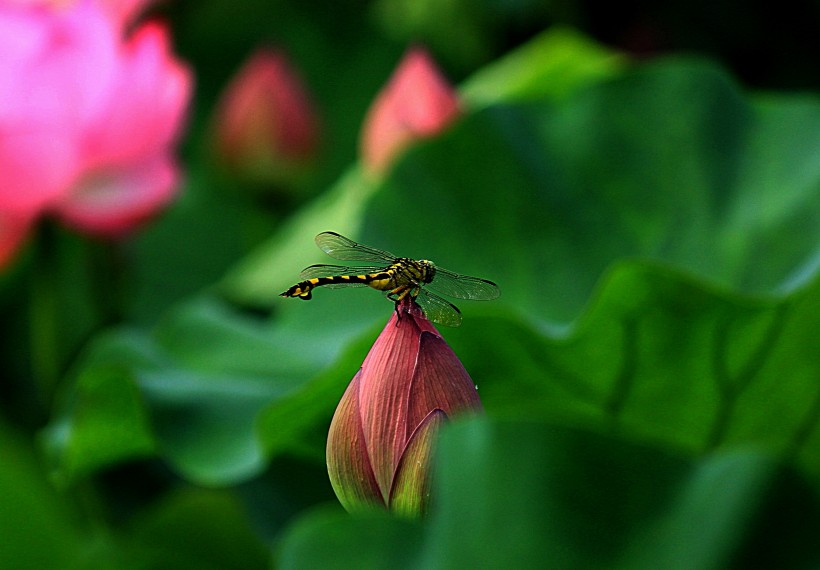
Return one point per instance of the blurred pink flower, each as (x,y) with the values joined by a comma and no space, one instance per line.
(266,125)
(88,117)
(129,170)
(416,103)
(13,230)
(126,11)
(381,438)
(55,69)
(123,12)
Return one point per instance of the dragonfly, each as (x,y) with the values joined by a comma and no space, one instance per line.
(397,276)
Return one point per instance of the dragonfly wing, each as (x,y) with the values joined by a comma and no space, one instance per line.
(323,270)
(438,310)
(339,247)
(463,286)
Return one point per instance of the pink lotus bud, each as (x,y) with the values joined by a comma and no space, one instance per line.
(416,103)
(266,126)
(379,447)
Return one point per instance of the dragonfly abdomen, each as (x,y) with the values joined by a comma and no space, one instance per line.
(303,289)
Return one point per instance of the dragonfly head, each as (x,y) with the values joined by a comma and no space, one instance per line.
(429,269)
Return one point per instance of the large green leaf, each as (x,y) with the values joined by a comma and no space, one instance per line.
(36,528)
(40,528)
(201,378)
(524,495)
(197,529)
(212,392)
(660,355)
(551,66)
(393,542)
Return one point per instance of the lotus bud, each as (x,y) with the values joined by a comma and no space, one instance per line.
(267,129)
(416,103)
(381,439)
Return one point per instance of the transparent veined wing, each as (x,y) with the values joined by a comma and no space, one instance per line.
(438,310)
(463,286)
(322,270)
(339,247)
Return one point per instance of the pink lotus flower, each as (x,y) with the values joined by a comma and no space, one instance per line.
(128,169)
(266,126)
(380,441)
(125,11)
(13,231)
(88,118)
(416,103)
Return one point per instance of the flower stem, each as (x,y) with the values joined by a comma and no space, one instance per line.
(43,313)
(108,281)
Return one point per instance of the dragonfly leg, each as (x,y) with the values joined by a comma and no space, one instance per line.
(396,295)
(399,293)
(393,296)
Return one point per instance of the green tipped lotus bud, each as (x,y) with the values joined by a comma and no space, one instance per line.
(381,439)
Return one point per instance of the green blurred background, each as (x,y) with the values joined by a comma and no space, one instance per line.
(641,180)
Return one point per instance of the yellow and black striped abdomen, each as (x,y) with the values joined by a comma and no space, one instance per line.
(400,278)
(303,289)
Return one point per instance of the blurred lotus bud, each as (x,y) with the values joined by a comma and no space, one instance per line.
(416,103)
(381,439)
(267,129)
